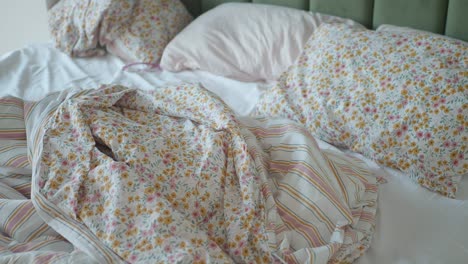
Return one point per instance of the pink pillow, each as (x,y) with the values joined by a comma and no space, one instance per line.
(248,42)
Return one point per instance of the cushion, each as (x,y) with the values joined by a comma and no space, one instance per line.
(12,119)
(143,37)
(399,99)
(244,41)
(135,30)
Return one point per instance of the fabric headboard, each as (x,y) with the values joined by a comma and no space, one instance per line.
(447,17)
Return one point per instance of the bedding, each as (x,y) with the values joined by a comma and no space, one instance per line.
(13,153)
(136,31)
(247,42)
(399,99)
(400,235)
(31,241)
(38,70)
(178,159)
(11,119)
(405,30)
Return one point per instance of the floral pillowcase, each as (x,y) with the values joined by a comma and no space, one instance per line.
(398,98)
(135,30)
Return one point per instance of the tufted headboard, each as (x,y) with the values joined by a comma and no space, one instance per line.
(449,17)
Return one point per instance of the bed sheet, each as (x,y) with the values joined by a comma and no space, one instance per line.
(37,70)
(414,225)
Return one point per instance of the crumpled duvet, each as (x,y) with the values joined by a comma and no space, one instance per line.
(173,176)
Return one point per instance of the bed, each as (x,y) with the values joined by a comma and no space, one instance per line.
(406,223)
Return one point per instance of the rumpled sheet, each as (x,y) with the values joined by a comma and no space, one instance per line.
(172,175)
(24,236)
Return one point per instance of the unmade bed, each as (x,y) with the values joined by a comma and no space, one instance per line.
(191,166)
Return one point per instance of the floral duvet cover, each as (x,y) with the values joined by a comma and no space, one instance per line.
(172,175)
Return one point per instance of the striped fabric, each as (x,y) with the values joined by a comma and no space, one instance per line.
(18,222)
(326,201)
(12,118)
(25,237)
(8,192)
(46,256)
(21,183)
(13,153)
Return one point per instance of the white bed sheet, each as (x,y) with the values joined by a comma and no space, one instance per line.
(414,225)
(37,70)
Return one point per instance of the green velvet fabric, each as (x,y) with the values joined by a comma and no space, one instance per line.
(358,10)
(193,6)
(448,17)
(299,4)
(426,15)
(457,19)
(208,4)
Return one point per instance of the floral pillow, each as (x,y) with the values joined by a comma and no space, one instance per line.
(400,99)
(135,30)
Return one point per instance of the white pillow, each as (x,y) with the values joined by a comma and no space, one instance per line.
(243,41)
(397,29)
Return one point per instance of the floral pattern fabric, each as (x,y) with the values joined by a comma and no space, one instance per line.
(400,99)
(136,30)
(172,175)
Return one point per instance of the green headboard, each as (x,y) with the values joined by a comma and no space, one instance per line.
(449,17)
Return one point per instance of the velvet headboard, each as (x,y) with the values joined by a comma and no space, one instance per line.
(447,17)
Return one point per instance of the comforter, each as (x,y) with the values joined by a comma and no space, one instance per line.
(172,175)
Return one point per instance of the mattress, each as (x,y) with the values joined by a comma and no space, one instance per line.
(414,225)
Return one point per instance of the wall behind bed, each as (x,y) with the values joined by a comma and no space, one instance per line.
(22,22)
(447,17)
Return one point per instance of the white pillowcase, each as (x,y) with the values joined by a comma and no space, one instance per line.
(397,29)
(243,41)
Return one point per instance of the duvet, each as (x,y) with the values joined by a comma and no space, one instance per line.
(172,175)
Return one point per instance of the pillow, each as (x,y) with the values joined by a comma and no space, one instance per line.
(147,30)
(135,30)
(398,29)
(12,119)
(244,41)
(400,99)
(74,26)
